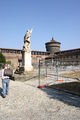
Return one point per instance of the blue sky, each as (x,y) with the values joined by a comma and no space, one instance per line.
(48,18)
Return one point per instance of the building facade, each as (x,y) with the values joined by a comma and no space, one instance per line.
(68,57)
(14,56)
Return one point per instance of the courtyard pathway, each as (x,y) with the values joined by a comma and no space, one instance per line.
(26,102)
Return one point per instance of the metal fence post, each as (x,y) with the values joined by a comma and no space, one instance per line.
(39,73)
(46,70)
(57,69)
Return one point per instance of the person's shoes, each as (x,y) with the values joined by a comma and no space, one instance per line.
(3,96)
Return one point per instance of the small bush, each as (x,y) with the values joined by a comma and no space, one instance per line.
(2,58)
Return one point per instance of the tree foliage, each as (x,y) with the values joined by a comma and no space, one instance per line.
(2,58)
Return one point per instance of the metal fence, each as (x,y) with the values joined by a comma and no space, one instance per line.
(55,71)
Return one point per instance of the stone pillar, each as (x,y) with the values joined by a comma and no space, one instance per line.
(26,55)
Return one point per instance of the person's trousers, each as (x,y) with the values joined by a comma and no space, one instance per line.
(5,86)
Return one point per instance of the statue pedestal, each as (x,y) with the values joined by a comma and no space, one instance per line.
(26,53)
(27,61)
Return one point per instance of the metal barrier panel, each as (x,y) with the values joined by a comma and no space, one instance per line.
(56,72)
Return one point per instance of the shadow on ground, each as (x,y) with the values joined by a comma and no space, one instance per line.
(0,91)
(66,98)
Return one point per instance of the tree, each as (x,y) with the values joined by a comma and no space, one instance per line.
(2,58)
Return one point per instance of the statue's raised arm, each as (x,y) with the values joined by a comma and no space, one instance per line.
(28,33)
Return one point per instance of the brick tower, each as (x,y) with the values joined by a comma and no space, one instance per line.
(52,46)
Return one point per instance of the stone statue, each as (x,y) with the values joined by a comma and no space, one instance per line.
(27,40)
(26,54)
(28,33)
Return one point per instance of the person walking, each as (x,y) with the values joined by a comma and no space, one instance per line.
(5,82)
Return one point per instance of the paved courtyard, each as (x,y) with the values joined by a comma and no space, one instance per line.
(26,102)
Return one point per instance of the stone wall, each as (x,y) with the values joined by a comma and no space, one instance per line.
(15,55)
(12,56)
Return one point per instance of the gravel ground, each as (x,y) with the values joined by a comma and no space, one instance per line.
(26,102)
